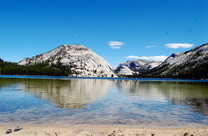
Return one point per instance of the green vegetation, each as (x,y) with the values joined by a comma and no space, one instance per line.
(44,68)
(198,72)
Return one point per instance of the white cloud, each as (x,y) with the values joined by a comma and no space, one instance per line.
(132,57)
(151,46)
(115,47)
(178,45)
(152,58)
(115,44)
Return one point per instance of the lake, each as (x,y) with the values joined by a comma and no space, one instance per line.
(60,101)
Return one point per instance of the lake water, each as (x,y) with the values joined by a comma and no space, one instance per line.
(72,101)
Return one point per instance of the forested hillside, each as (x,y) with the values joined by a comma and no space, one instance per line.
(10,68)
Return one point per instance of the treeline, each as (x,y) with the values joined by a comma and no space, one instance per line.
(198,72)
(10,68)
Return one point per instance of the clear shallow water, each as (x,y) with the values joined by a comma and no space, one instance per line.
(64,102)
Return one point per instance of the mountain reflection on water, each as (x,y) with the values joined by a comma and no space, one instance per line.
(78,93)
(75,93)
(193,94)
(69,93)
(110,101)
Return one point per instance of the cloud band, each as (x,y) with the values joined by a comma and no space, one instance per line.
(178,45)
(115,44)
(151,58)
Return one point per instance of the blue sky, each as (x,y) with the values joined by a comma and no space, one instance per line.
(118,30)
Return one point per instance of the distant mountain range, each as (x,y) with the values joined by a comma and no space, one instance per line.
(77,60)
(136,67)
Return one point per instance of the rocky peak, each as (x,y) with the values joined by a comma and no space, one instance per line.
(184,62)
(72,47)
(78,47)
(192,55)
(135,67)
(81,60)
(175,55)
